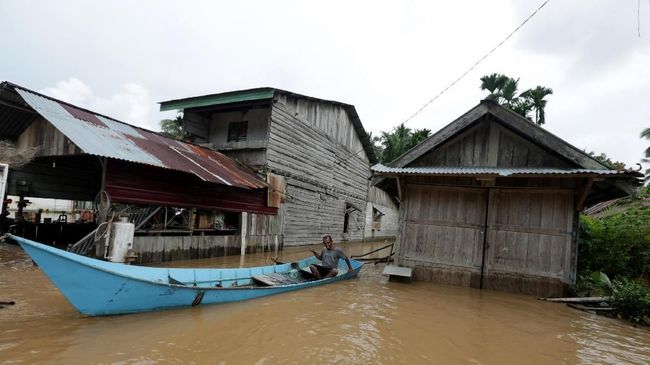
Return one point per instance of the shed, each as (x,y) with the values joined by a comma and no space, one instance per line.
(492,201)
(85,156)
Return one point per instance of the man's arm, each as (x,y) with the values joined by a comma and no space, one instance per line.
(316,254)
(347,260)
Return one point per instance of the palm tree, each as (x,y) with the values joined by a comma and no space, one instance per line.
(494,83)
(503,90)
(536,97)
(509,92)
(646,134)
(522,106)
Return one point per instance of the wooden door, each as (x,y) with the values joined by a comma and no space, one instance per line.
(443,226)
(530,235)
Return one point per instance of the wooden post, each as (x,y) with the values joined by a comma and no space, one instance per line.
(244,226)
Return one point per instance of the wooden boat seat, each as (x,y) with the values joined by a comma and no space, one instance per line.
(274,279)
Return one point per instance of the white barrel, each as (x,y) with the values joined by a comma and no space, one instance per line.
(121,241)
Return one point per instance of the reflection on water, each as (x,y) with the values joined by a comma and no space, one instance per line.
(360,321)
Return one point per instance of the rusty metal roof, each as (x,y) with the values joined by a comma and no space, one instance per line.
(99,135)
(380,169)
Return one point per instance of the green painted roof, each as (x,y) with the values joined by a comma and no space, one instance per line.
(217,99)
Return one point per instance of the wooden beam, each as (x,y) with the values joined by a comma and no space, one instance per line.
(583,195)
(493,144)
(399,187)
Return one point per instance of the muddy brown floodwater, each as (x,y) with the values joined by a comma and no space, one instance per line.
(361,321)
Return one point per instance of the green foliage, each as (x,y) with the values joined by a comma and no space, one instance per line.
(504,90)
(618,245)
(646,134)
(172,128)
(631,300)
(605,160)
(391,145)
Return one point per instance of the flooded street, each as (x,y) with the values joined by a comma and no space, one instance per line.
(359,321)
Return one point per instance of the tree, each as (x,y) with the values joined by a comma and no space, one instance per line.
(646,134)
(504,90)
(605,160)
(493,83)
(391,145)
(172,128)
(536,97)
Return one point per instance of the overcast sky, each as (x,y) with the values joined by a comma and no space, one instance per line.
(387,58)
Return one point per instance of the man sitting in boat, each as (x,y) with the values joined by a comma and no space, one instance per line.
(329,258)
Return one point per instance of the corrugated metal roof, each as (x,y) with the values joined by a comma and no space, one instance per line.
(496,171)
(218,99)
(102,136)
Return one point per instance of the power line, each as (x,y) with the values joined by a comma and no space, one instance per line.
(474,65)
(345,158)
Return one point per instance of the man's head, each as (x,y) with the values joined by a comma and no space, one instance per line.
(327,241)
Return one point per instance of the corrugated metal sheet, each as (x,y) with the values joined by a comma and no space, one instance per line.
(218,99)
(101,136)
(385,170)
(151,186)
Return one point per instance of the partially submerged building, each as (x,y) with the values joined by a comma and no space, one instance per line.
(186,201)
(492,201)
(314,154)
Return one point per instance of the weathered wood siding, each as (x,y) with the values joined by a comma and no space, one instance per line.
(318,184)
(489,144)
(332,119)
(443,232)
(529,248)
(258,127)
(196,126)
(381,201)
(47,140)
(530,235)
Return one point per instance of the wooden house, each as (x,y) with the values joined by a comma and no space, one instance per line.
(314,154)
(492,201)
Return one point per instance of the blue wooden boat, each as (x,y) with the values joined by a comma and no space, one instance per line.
(95,287)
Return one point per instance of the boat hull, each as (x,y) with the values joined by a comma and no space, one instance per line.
(96,287)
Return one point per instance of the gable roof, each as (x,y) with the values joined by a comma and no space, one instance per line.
(268,93)
(99,135)
(510,120)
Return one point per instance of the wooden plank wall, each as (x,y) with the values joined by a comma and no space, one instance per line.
(530,237)
(196,126)
(531,233)
(330,118)
(155,249)
(262,231)
(489,144)
(380,200)
(318,184)
(47,140)
(443,226)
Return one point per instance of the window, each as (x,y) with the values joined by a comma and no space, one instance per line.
(237,131)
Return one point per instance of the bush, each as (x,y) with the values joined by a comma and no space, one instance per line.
(618,244)
(631,300)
